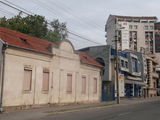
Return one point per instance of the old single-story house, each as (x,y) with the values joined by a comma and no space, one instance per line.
(35,72)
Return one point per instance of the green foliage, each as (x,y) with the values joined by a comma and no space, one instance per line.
(58,32)
(37,26)
(52,36)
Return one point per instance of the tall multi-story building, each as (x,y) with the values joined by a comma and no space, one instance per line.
(157,37)
(133,33)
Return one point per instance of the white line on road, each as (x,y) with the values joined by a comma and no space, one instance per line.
(122,114)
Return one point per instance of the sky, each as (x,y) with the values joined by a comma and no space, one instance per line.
(86,18)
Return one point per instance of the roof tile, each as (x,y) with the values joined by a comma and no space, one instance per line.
(22,40)
(85,58)
(26,41)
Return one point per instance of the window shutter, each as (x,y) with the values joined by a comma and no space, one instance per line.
(83,85)
(45,84)
(95,86)
(27,80)
(69,83)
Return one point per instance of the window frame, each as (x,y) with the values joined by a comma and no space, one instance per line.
(84,84)
(45,71)
(95,85)
(68,86)
(29,88)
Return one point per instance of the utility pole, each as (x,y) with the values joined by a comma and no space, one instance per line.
(117,28)
(117,68)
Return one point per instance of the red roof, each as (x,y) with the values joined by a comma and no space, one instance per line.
(26,41)
(87,59)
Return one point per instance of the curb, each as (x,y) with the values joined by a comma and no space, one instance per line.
(80,108)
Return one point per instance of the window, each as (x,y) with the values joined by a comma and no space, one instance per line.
(27,80)
(135,27)
(122,63)
(151,27)
(119,25)
(146,27)
(83,85)
(154,84)
(144,21)
(130,26)
(69,83)
(134,65)
(45,83)
(95,86)
(126,64)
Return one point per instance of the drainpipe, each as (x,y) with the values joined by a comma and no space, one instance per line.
(4,47)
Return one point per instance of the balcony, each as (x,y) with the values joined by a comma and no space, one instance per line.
(155,75)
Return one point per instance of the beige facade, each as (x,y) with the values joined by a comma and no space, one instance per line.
(152,77)
(133,33)
(63,63)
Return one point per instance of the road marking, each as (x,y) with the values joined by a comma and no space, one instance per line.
(122,114)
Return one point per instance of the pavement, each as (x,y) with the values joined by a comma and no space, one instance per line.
(69,112)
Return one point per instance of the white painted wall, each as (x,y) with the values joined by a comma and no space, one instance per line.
(65,61)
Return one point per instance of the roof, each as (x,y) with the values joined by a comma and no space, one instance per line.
(25,41)
(22,40)
(136,17)
(87,59)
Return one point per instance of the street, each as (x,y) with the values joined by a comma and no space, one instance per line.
(128,109)
(145,111)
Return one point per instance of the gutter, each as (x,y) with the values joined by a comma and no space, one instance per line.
(4,47)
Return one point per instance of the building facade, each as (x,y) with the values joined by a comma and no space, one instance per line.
(103,55)
(152,75)
(157,37)
(35,72)
(133,33)
(131,74)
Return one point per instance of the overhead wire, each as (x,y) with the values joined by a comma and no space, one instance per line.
(69,11)
(6,12)
(19,7)
(16,7)
(43,4)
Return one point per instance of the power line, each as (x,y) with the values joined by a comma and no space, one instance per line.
(26,12)
(69,11)
(83,38)
(19,7)
(4,12)
(7,11)
(14,7)
(51,10)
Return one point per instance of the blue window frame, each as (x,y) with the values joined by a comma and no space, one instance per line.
(134,65)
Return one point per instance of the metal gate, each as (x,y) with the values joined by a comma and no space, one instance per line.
(108,91)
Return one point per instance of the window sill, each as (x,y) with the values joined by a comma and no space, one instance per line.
(69,92)
(26,91)
(45,92)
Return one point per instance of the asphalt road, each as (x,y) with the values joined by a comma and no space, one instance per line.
(143,111)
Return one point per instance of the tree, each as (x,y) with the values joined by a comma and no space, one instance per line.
(58,32)
(37,26)
(34,25)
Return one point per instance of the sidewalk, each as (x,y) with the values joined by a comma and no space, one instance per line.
(38,113)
